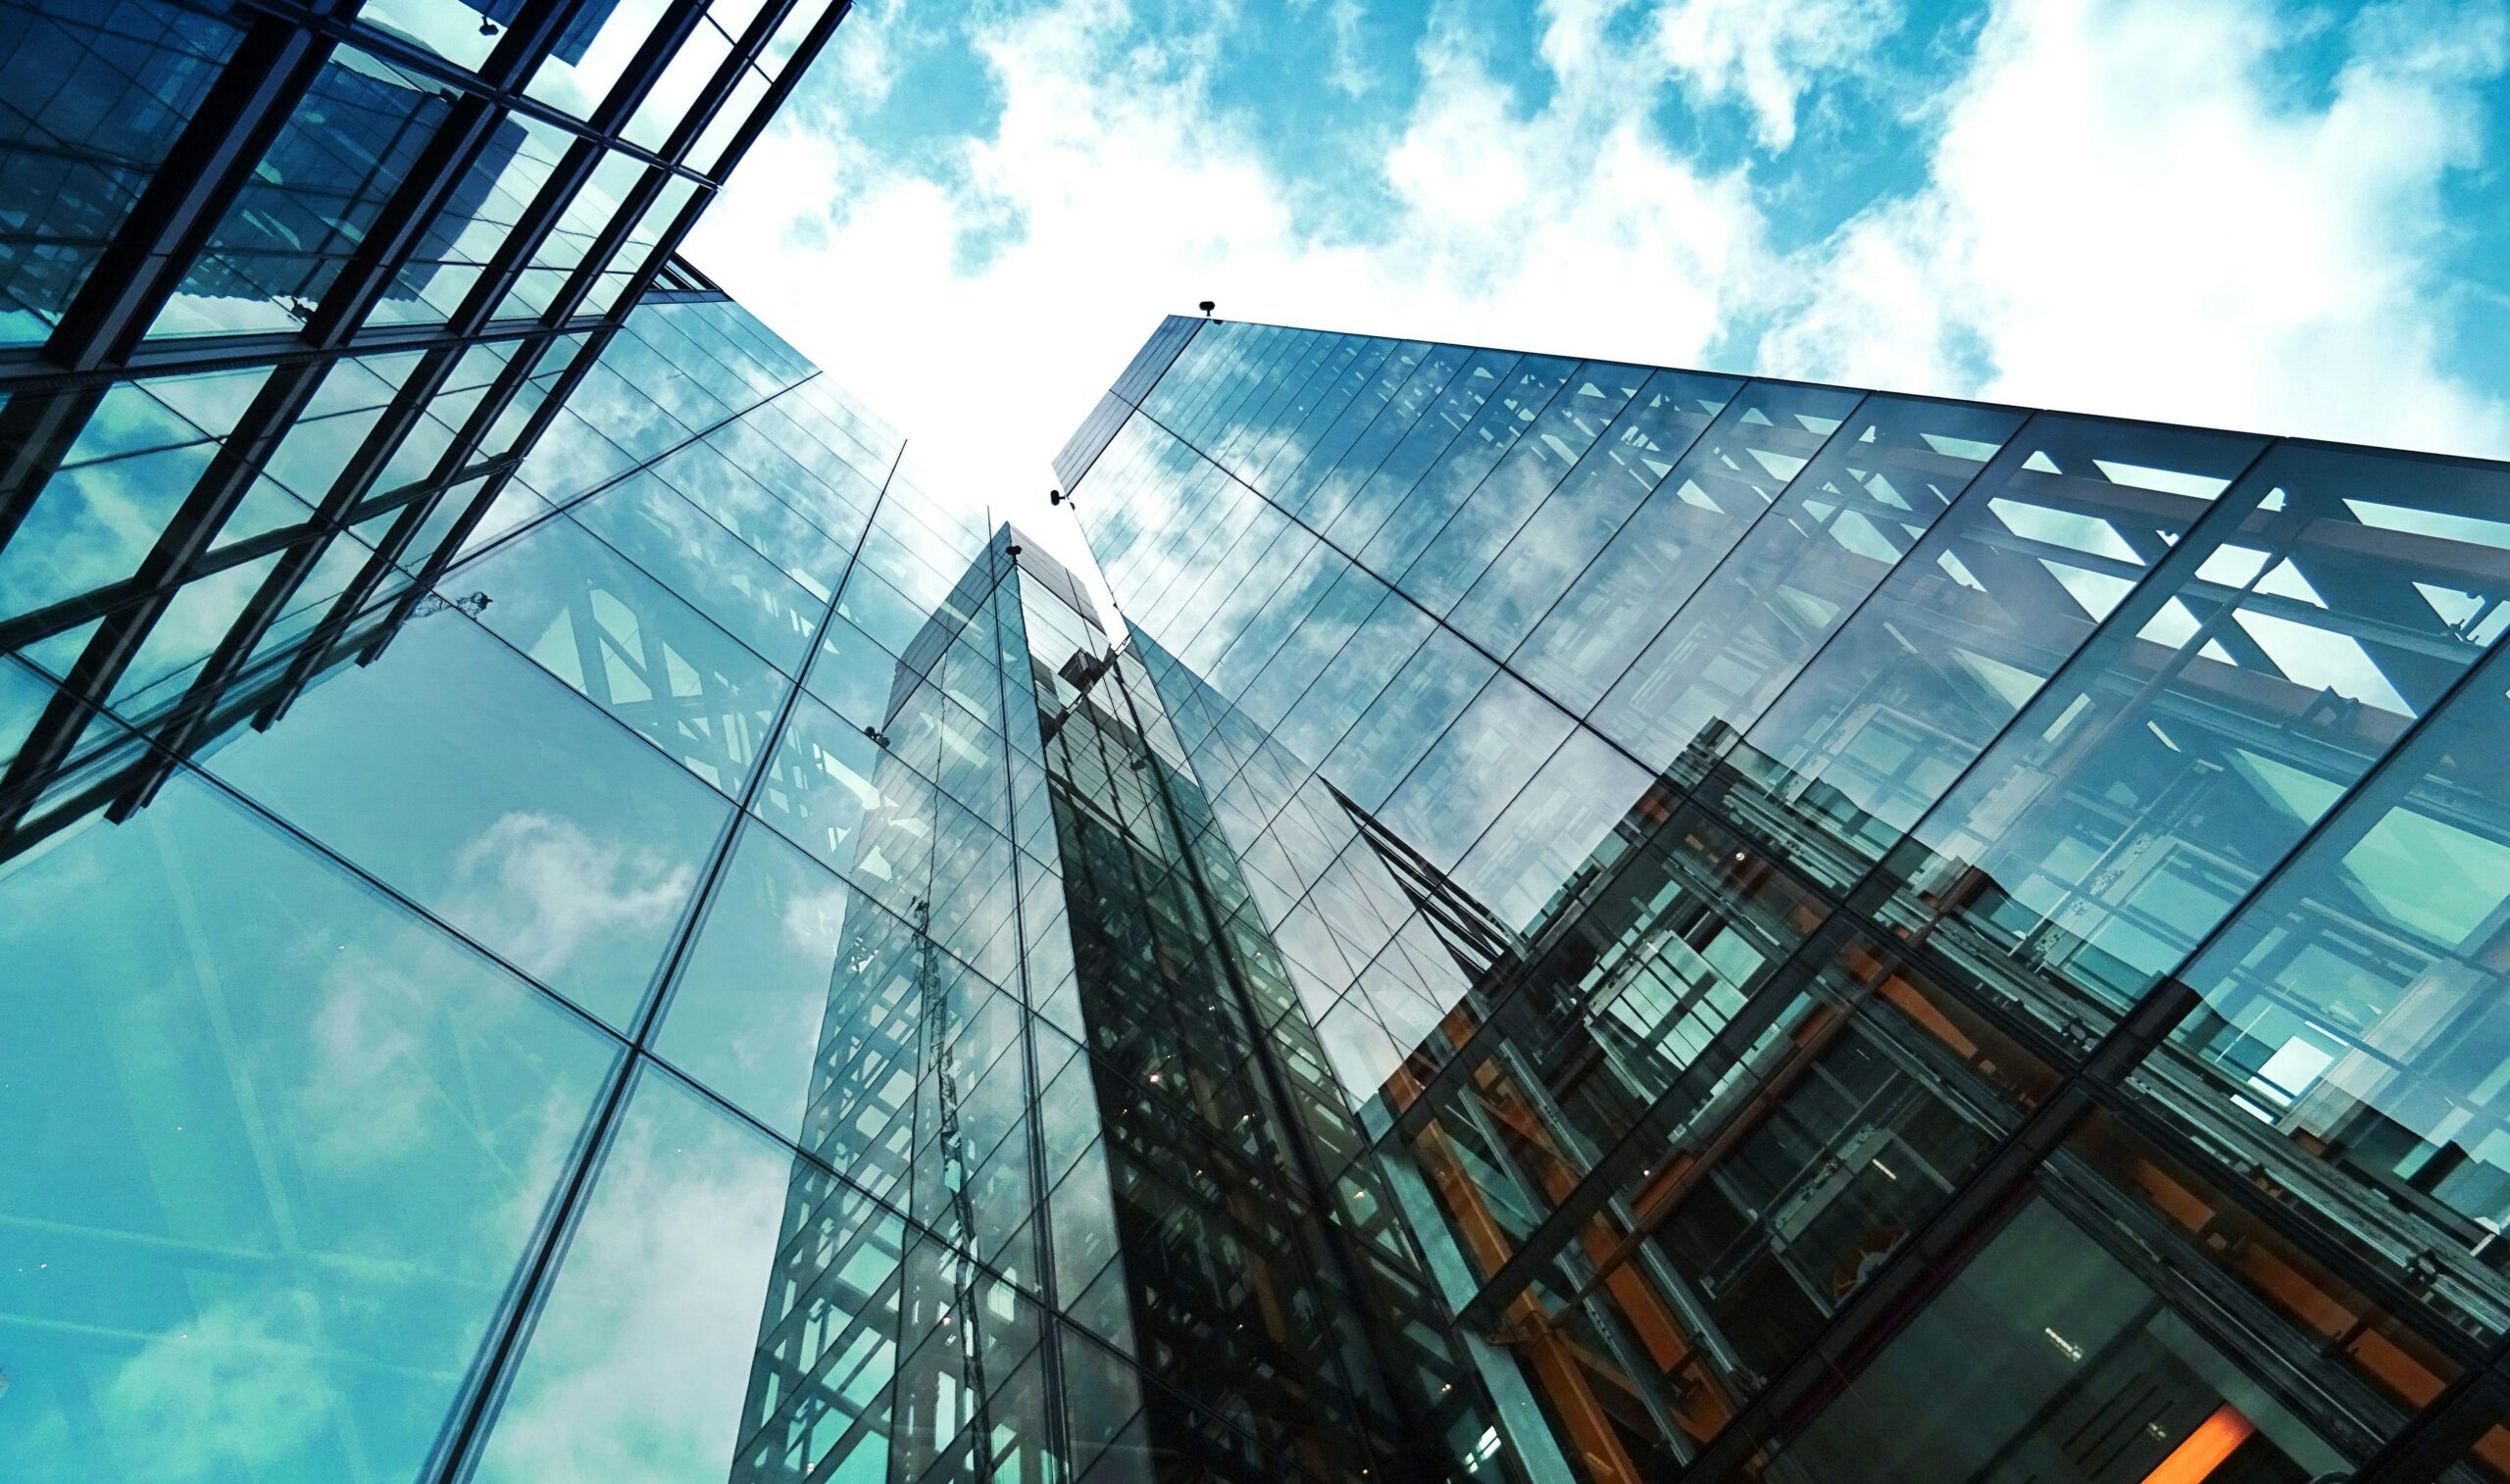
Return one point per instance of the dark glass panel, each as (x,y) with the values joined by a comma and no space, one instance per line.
(93,97)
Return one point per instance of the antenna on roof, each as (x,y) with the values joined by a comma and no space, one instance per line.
(1206,307)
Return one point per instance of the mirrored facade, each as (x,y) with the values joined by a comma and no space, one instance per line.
(564,917)
(1871,938)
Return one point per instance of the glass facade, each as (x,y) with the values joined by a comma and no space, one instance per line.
(563,917)
(1869,938)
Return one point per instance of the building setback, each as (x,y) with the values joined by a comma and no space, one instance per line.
(562,919)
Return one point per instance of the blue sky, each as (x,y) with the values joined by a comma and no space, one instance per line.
(2288,217)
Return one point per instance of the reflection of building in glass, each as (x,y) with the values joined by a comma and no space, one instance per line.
(1901,939)
(561,918)
(1259,1265)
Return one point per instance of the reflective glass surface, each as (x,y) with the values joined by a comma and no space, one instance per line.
(284,1146)
(97,95)
(462,774)
(1866,936)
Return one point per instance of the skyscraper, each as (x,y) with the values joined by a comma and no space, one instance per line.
(564,918)
(1885,938)
(500,949)
(533,931)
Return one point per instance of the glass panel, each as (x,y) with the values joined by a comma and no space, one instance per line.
(1517,488)
(766,985)
(457,773)
(789,33)
(24,694)
(1474,771)
(713,479)
(310,201)
(191,626)
(820,786)
(1658,426)
(639,653)
(1554,829)
(91,99)
(708,565)
(2351,1038)
(2012,581)
(1693,518)
(1471,459)
(1410,715)
(477,217)
(674,93)
(2226,703)
(461,31)
(593,52)
(852,674)
(1843,524)
(280,1147)
(726,1308)
(569,459)
(708,153)
(91,524)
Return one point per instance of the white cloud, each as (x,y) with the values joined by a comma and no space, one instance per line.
(541,889)
(638,1366)
(2130,212)
(236,1389)
(1348,72)
(1766,52)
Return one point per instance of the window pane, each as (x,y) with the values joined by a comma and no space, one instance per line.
(279,1147)
(95,97)
(593,52)
(726,1308)
(2352,1034)
(2012,581)
(1693,516)
(310,201)
(1612,476)
(639,653)
(459,773)
(1843,524)
(2228,703)
(686,551)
